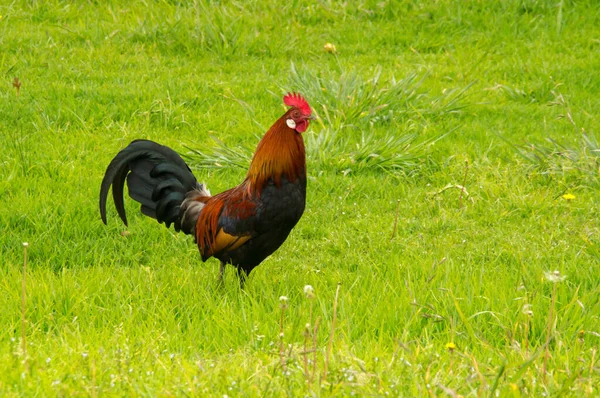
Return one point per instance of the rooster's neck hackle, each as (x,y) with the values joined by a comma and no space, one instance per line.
(279,154)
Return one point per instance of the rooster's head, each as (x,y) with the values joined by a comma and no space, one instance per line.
(299,116)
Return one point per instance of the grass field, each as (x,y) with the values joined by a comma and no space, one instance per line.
(460,298)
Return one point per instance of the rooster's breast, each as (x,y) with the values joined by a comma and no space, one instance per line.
(278,210)
(280,207)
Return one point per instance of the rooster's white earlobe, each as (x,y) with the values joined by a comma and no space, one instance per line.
(291,123)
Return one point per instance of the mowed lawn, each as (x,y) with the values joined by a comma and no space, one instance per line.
(452,248)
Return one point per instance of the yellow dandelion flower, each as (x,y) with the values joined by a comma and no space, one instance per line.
(330,47)
(451,346)
(568,196)
(514,387)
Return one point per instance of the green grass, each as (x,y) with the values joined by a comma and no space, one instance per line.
(441,83)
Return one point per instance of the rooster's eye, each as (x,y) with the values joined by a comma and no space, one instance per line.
(296,114)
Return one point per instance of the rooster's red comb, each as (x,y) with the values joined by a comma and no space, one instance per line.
(295,99)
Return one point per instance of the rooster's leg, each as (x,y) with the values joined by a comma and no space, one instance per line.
(221,271)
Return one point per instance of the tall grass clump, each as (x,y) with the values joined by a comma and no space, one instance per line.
(557,158)
(362,123)
(349,100)
(327,150)
(553,157)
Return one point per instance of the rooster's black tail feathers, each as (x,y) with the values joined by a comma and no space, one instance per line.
(157,178)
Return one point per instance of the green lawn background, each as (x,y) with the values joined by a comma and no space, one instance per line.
(140,314)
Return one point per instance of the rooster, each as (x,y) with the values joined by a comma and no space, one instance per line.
(241,226)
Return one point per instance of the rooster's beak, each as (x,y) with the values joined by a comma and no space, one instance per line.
(311,117)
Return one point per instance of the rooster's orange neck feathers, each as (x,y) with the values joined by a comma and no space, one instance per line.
(280,153)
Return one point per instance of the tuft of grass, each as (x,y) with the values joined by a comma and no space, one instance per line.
(219,155)
(556,158)
(362,124)
(327,150)
(348,100)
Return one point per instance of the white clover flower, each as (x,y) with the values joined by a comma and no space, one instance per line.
(283,299)
(554,276)
(309,292)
